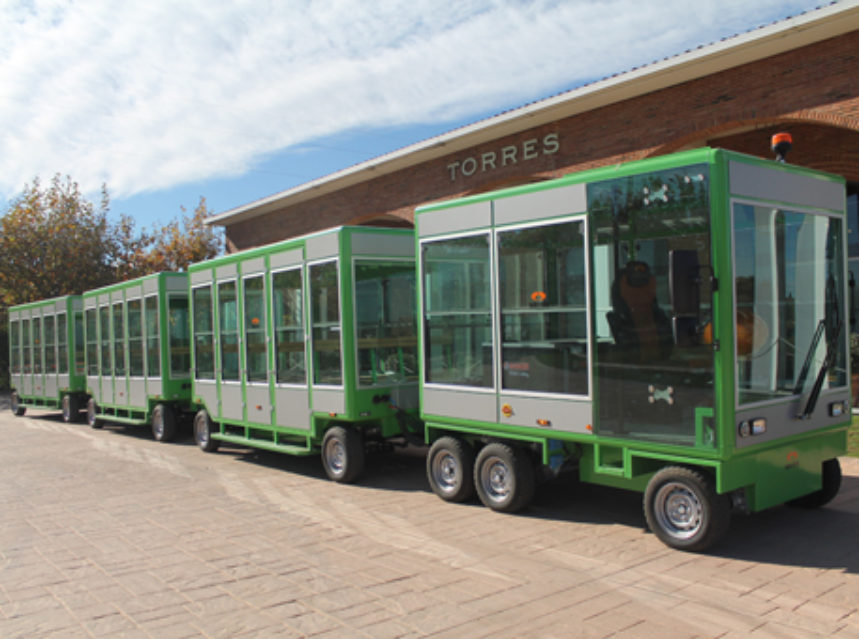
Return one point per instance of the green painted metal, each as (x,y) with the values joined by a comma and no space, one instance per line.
(785,464)
(46,351)
(314,353)
(138,347)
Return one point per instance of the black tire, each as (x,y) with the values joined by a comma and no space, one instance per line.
(163,423)
(343,454)
(92,414)
(684,510)
(831,477)
(504,477)
(203,432)
(450,469)
(71,408)
(15,404)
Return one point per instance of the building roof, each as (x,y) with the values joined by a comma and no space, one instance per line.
(785,35)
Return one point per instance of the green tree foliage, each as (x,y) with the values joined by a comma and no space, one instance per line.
(53,242)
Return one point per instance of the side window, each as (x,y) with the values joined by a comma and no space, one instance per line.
(14,347)
(228,329)
(91,317)
(180,339)
(119,340)
(544,321)
(457,311)
(153,336)
(325,322)
(38,345)
(106,363)
(255,346)
(27,351)
(62,344)
(50,324)
(204,354)
(80,360)
(288,304)
(135,338)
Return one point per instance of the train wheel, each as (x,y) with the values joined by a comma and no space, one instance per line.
(684,510)
(92,414)
(450,469)
(203,432)
(831,476)
(343,454)
(15,404)
(504,477)
(163,423)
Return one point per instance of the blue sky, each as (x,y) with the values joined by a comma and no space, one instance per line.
(165,102)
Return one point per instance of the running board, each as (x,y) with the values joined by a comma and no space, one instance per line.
(289,449)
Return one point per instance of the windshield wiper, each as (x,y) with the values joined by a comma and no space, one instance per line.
(828,362)
(800,381)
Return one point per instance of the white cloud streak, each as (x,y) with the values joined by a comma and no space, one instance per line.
(150,95)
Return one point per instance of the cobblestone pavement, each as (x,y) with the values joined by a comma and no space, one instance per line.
(108,533)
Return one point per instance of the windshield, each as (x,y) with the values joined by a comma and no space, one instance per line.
(788,287)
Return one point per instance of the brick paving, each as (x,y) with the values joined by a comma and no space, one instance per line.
(108,533)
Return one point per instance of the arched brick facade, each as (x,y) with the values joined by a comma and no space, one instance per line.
(812,92)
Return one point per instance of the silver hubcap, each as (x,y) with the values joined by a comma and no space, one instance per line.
(67,409)
(446,472)
(496,479)
(202,431)
(335,455)
(679,511)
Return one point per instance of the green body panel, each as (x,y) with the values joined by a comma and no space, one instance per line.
(249,405)
(772,472)
(139,357)
(60,363)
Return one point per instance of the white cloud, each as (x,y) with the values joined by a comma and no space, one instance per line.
(148,95)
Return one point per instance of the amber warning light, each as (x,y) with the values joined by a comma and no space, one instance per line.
(781,144)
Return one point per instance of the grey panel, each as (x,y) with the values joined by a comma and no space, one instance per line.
(782,421)
(201,277)
(256,265)
(292,407)
(77,304)
(137,392)
(104,299)
(92,302)
(154,386)
(231,406)
(92,383)
(457,218)
(63,380)
(150,285)
(225,272)
(463,404)
(541,204)
(177,284)
(207,390)
(567,415)
(259,403)
(405,396)
(106,390)
(121,391)
(51,387)
(135,292)
(379,244)
(329,400)
(320,246)
(782,186)
(116,296)
(286,258)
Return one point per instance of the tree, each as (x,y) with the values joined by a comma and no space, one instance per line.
(53,242)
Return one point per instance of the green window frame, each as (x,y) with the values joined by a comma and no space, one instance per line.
(26,348)
(91,329)
(50,327)
(228,330)
(15,347)
(288,302)
(256,353)
(204,336)
(134,318)
(179,335)
(38,346)
(118,339)
(104,332)
(62,344)
(152,336)
(79,345)
(325,323)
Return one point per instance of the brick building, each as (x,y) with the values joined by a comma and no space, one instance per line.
(798,75)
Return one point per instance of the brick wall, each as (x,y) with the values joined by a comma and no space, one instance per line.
(813,92)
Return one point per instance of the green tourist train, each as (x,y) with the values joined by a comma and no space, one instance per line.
(675,326)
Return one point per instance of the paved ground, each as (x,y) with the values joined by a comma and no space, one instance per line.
(107,533)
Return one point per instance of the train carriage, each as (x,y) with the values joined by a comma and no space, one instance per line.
(307,345)
(675,326)
(138,353)
(46,360)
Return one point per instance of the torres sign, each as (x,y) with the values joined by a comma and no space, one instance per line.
(529,149)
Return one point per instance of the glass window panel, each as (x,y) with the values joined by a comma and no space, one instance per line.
(458,347)
(118,340)
(289,327)
(135,338)
(180,338)
(789,302)
(37,345)
(387,326)
(152,336)
(92,341)
(106,361)
(15,346)
(542,286)
(325,324)
(27,346)
(50,344)
(256,356)
(62,345)
(204,355)
(79,346)
(229,330)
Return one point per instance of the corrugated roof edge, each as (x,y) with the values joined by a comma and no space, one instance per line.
(821,23)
